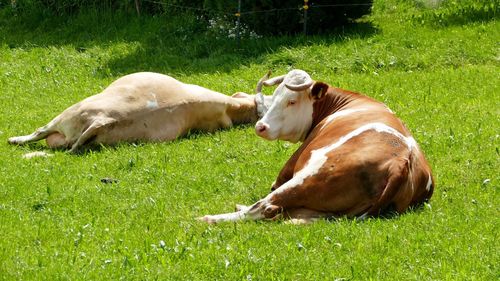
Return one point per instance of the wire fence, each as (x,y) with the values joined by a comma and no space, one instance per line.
(304,7)
(238,13)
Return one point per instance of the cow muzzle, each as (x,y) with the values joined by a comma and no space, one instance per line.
(262,129)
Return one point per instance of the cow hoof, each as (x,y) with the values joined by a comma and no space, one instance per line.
(14,140)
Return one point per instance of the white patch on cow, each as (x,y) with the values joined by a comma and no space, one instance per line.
(345,112)
(410,141)
(152,104)
(339,114)
(289,115)
(429,183)
(319,158)
(37,154)
(290,123)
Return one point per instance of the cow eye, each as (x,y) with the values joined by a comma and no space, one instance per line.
(292,102)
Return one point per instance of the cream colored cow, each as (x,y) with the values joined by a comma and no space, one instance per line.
(145,106)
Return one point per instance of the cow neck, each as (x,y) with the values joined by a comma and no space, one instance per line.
(246,112)
(335,99)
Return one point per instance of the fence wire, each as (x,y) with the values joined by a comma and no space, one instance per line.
(179,6)
(236,13)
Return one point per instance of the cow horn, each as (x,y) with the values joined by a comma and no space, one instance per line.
(300,87)
(260,105)
(258,89)
(274,81)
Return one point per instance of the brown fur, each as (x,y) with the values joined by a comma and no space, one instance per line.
(364,176)
(359,162)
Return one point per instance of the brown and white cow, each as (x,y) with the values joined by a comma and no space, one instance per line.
(145,106)
(357,158)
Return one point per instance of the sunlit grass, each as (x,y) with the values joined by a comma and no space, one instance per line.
(59,221)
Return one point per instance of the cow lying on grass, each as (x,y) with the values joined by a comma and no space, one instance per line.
(145,107)
(357,158)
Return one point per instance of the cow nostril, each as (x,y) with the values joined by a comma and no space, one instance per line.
(261,128)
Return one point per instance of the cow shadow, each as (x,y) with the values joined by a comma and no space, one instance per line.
(387,214)
(92,147)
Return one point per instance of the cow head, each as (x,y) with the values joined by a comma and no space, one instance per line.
(261,101)
(289,116)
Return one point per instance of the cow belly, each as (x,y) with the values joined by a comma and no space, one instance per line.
(165,124)
(156,127)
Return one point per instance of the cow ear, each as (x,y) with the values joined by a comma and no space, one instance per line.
(318,90)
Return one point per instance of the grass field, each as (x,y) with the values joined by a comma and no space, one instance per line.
(437,68)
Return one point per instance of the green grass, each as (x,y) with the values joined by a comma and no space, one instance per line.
(58,221)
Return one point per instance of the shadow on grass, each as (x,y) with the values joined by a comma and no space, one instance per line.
(174,44)
(91,147)
(385,215)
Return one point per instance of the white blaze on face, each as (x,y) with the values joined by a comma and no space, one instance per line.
(289,116)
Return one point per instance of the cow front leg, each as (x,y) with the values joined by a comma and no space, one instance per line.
(262,209)
(289,195)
